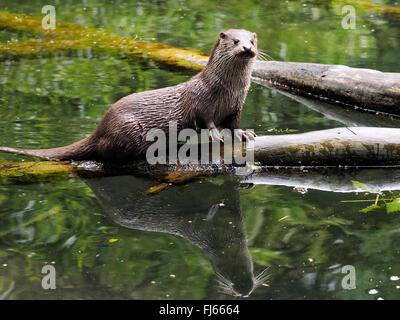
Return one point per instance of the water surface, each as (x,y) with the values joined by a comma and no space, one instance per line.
(211,237)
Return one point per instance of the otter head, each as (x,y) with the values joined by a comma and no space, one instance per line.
(235,44)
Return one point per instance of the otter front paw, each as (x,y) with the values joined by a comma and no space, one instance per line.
(244,135)
(215,135)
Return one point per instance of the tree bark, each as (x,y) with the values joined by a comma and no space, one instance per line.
(362,89)
(339,147)
(352,146)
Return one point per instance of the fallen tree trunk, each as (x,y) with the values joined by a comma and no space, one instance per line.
(353,146)
(362,89)
(339,147)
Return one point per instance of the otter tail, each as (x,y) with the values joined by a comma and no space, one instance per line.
(81,150)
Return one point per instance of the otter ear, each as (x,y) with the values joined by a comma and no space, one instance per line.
(255,35)
(222,35)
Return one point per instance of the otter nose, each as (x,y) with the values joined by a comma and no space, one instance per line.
(246,49)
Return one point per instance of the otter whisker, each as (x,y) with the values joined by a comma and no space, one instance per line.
(262,277)
(221,279)
(263,52)
(225,286)
(264,56)
(218,274)
(262,274)
(227,289)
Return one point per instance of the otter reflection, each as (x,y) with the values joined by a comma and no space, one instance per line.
(206,214)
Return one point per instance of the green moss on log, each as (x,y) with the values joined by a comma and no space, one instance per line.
(33,171)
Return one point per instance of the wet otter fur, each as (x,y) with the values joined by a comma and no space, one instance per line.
(212,98)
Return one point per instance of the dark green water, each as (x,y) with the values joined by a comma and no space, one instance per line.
(107,240)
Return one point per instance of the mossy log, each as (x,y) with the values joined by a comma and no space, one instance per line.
(33,171)
(339,147)
(362,89)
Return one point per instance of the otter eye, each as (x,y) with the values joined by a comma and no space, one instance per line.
(252,42)
(236,41)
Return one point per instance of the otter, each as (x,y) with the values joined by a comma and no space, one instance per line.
(218,230)
(212,98)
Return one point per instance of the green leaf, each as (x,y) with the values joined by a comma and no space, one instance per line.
(371,208)
(393,206)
